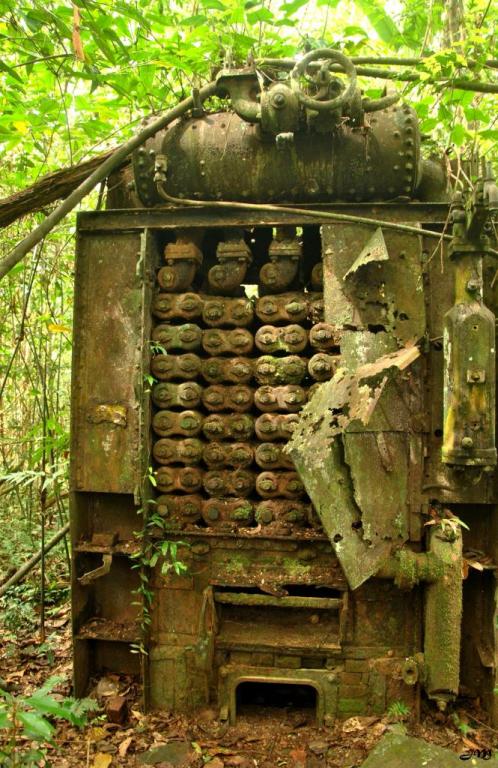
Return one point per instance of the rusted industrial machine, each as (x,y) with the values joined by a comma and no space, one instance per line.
(283,448)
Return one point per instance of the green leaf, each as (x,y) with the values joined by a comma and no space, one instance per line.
(214,4)
(262,14)
(290,8)
(47,705)
(36,726)
(12,72)
(194,21)
(379,19)
(429,125)
(489,133)
(458,135)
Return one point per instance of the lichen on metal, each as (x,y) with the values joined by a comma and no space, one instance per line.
(331,461)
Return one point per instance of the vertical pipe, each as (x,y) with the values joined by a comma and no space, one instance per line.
(443,618)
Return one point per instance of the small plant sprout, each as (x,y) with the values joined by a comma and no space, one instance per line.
(26,723)
(398,710)
(157,349)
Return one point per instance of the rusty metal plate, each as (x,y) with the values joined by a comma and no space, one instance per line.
(357,480)
(374,281)
(107,372)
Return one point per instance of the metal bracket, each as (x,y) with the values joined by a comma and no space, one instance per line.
(102,570)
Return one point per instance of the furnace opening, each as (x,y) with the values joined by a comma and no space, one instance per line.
(283,696)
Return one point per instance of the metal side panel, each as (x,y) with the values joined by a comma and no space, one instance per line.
(107,365)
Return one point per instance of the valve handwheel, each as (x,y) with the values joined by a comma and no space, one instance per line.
(331,104)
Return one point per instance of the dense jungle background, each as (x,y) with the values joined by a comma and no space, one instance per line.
(76,80)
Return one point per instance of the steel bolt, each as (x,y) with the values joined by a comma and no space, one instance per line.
(189,479)
(268,308)
(240,397)
(294,308)
(467,442)
(266,516)
(214,312)
(267,368)
(278,100)
(294,485)
(214,398)
(267,484)
(189,393)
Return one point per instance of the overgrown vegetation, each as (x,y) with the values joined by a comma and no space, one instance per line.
(27,723)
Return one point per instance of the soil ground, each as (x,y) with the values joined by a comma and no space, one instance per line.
(264,737)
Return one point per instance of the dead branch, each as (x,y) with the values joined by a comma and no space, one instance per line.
(52,187)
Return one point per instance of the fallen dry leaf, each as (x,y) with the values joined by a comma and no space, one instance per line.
(124,746)
(77,44)
(102,760)
(97,733)
(215,763)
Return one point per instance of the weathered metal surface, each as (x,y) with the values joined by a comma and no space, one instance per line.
(236,370)
(170,367)
(220,512)
(470,341)
(330,459)
(188,306)
(284,253)
(218,397)
(291,339)
(107,365)
(217,455)
(236,342)
(276,426)
(170,480)
(382,293)
(290,398)
(171,451)
(442,481)
(185,395)
(272,456)
(227,312)
(276,514)
(286,485)
(322,366)
(185,337)
(179,509)
(443,615)
(222,427)
(222,157)
(325,337)
(183,258)
(170,424)
(172,217)
(280,370)
(223,482)
(234,257)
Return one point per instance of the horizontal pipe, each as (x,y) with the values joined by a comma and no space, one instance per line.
(269,601)
(386,74)
(393,61)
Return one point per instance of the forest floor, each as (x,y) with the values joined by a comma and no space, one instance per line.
(264,737)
